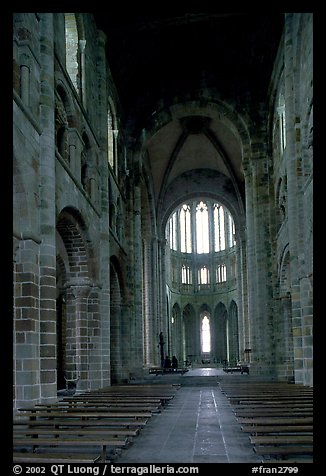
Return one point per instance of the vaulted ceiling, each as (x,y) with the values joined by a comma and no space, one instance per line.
(158,60)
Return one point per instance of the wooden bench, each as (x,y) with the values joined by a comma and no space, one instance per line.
(76,431)
(86,414)
(273,412)
(109,398)
(91,409)
(283,445)
(287,450)
(20,457)
(281,439)
(284,459)
(164,399)
(103,443)
(80,406)
(294,429)
(285,420)
(67,422)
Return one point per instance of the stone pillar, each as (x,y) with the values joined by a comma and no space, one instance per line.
(47,212)
(26,322)
(242,297)
(158,278)
(77,339)
(104,238)
(258,255)
(137,328)
(162,313)
(293,160)
(147,301)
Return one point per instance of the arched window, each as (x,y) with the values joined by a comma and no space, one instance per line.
(186,275)
(202,228)
(173,232)
(192,223)
(203,275)
(282,125)
(205,334)
(221,273)
(112,139)
(185,229)
(219,228)
(72,59)
(231,228)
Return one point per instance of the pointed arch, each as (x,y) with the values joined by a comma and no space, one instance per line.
(219,333)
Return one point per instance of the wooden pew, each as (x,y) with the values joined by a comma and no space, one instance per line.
(115,432)
(67,422)
(285,420)
(274,412)
(57,458)
(277,429)
(97,406)
(281,439)
(84,414)
(281,451)
(104,443)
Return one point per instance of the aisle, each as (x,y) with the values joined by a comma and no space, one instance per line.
(198,426)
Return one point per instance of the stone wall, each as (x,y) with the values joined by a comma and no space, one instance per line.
(91,266)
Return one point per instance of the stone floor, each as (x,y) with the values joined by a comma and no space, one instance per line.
(198,426)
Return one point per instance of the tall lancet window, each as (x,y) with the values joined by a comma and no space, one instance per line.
(231,232)
(203,275)
(72,58)
(202,229)
(219,228)
(185,229)
(173,232)
(186,276)
(205,335)
(282,125)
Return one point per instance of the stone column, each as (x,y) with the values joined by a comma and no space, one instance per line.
(26,321)
(242,297)
(77,339)
(104,237)
(162,316)
(137,328)
(293,162)
(258,255)
(47,212)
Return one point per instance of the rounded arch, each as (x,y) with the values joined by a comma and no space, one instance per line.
(208,184)
(73,230)
(75,280)
(63,94)
(208,106)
